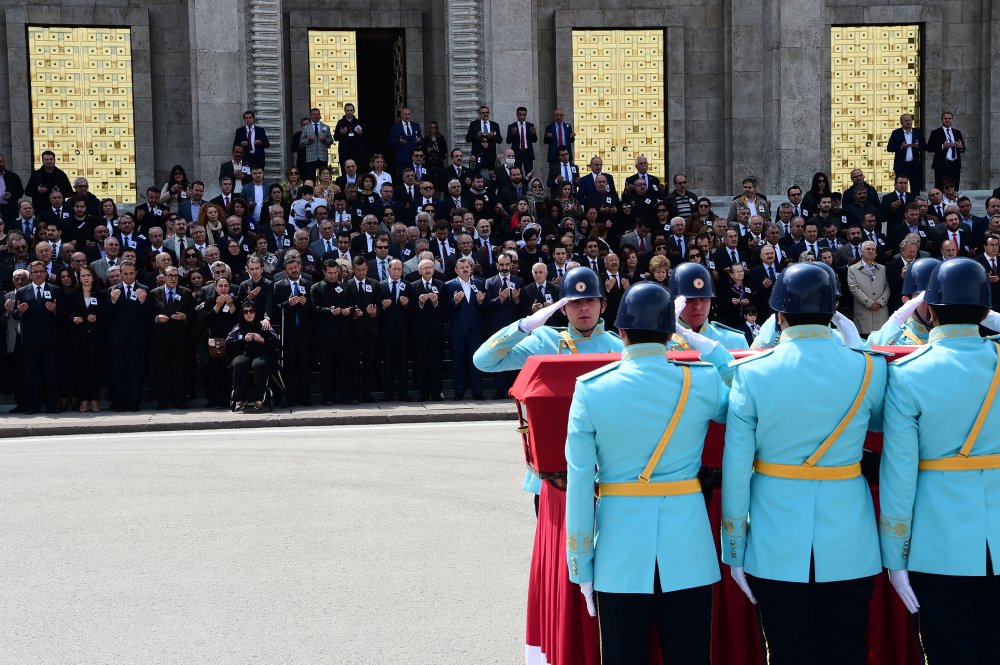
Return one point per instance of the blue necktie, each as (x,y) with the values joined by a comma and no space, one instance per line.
(295,292)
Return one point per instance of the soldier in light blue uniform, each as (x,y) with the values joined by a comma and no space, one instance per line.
(798,525)
(691,284)
(908,325)
(939,481)
(583,304)
(845,332)
(650,553)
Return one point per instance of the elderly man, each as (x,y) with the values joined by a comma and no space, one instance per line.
(13,344)
(869,284)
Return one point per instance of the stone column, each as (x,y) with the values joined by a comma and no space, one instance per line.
(991,84)
(796,69)
(512,66)
(218,84)
(745,140)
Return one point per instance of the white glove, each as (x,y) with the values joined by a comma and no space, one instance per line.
(697,341)
(992,321)
(538,319)
(679,303)
(768,334)
(587,589)
(741,581)
(848,331)
(900,580)
(902,315)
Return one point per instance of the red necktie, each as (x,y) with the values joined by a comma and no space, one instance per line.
(642,245)
(226,201)
(561,141)
(524,141)
(954,238)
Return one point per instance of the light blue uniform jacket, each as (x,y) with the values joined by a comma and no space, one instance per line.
(720,357)
(783,404)
(614,427)
(912,334)
(509,348)
(940,521)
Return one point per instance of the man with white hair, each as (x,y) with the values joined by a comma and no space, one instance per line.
(868,283)
(677,242)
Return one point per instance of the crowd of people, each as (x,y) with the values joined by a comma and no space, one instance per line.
(367,277)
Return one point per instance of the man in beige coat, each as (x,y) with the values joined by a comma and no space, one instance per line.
(867,282)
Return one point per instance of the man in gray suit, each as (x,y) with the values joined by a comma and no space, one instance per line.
(316,139)
(12,348)
(112,249)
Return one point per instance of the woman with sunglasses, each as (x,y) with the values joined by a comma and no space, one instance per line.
(192,261)
(701,218)
(250,347)
(176,189)
(290,186)
(820,186)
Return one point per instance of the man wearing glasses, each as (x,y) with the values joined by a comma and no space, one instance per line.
(869,285)
(682,203)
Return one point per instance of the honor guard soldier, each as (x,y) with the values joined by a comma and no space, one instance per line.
(649,554)
(583,303)
(846,331)
(908,325)
(798,526)
(939,481)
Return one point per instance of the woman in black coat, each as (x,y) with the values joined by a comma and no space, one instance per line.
(84,315)
(220,312)
(250,347)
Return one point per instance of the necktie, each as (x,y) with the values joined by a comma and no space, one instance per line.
(951,139)
(993,265)
(38,295)
(444,249)
(295,292)
(593,265)
(226,200)
(797,211)
(316,129)
(486,127)
(732,257)
(489,253)
(329,245)
(180,246)
(381,269)
(250,138)
(642,244)
(559,133)
(170,302)
(770,273)
(954,238)
(504,284)
(524,140)
(902,198)
(812,250)
(566,176)
(560,272)
(857,252)
(128,293)
(407,126)
(394,293)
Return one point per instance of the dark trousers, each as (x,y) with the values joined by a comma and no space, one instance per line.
(959,617)
(261,366)
(914,172)
(309,173)
(428,355)
(296,365)
(683,622)
(88,363)
(462,348)
(332,355)
(171,367)
(947,170)
(813,623)
(41,373)
(364,351)
(15,374)
(219,381)
(127,365)
(395,363)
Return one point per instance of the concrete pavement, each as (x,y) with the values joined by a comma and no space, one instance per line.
(71,422)
(345,545)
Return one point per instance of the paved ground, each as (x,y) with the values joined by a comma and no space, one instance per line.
(396,544)
(150,420)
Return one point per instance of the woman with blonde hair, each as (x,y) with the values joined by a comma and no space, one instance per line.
(659,270)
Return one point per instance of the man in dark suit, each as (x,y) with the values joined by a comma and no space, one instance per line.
(613,285)
(259,290)
(465,296)
(907,145)
(13,191)
(331,309)
(427,329)
(761,280)
(404,138)
(893,205)
(947,146)
(173,314)
(503,298)
(298,150)
(363,244)
(558,133)
(562,171)
(991,262)
(363,295)
(378,266)
(811,243)
(253,140)
(291,296)
(895,273)
(539,292)
(521,136)
(953,230)
(394,334)
(130,238)
(37,306)
(587,184)
(348,134)
(454,171)
(442,245)
(653,186)
(57,212)
(151,213)
(128,310)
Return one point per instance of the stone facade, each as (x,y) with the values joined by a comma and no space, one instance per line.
(747,88)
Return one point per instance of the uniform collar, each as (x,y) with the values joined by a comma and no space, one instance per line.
(806,332)
(636,351)
(917,328)
(953,330)
(576,334)
(687,326)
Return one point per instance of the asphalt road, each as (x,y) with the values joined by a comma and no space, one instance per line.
(388,544)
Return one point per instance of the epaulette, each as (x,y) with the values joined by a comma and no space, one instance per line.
(723,326)
(993,338)
(910,356)
(599,371)
(691,363)
(756,356)
(871,351)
